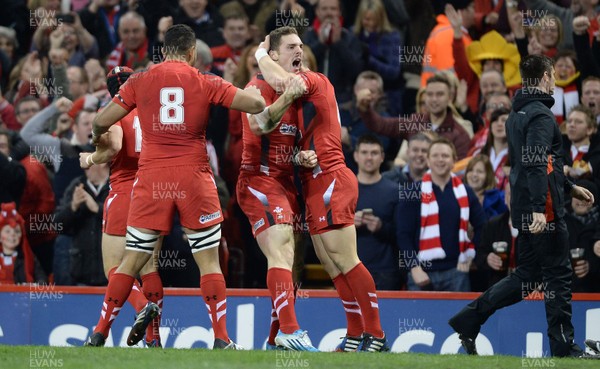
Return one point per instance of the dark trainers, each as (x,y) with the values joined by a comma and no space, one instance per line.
(222,345)
(593,345)
(142,319)
(468,344)
(373,344)
(349,344)
(96,340)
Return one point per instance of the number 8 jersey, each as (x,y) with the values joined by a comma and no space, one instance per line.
(173,101)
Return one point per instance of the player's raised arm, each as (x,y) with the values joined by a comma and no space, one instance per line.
(108,147)
(266,121)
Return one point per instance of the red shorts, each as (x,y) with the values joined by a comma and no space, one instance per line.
(330,200)
(189,189)
(267,201)
(116,208)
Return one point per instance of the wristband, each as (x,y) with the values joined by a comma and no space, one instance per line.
(90,159)
(260,53)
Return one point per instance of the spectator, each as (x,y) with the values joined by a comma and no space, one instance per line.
(494,101)
(582,150)
(134,45)
(79,85)
(68,32)
(416,166)
(377,200)
(352,125)
(8,117)
(9,45)
(13,174)
(80,213)
(101,19)
(17,262)
(204,58)
(568,82)
(373,29)
(438,48)
(480,177)
(491,268)
(203,18)
(439,119)
(25,109)
(61,154)
(590,95)
(337,50)
(565,16)
(236,33)
(582,221)
(431,225)
(258,13)
(496,147)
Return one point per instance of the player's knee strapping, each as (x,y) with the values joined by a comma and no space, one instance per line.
(204,240)
(142,242)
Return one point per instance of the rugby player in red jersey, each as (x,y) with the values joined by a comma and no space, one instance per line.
(122,148)
(331,192)
(173,101)
(267,195)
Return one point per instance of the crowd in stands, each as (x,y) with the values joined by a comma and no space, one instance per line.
(424,89)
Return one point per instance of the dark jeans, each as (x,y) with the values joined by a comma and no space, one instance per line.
(62,260)
(443,280)
(542,258)
(390,281)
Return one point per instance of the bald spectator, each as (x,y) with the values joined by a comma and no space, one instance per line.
(204,58)
(338,51)
(133,48)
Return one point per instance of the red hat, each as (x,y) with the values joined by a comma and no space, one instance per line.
(10,217)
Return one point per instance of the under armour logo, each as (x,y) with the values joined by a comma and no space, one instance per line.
(214,297)
(116,301)
(321,219)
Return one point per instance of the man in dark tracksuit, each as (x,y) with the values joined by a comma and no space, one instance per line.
(537,205)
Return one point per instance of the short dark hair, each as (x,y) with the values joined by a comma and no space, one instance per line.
(443,141)
(276,35)
(368,139)
(179,39)
(439,78)
(236,16)
(533,67)
(26,99)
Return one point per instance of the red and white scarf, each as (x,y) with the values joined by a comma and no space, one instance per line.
(430,245)
(118,56)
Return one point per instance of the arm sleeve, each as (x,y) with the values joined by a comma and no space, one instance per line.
(387,62)
(33,134)
(476,216)
(587,64)
(461,64)
(219,91)
(522,46)
(385,126)
(61,82)
(407,220)
(535,159)
(482,250)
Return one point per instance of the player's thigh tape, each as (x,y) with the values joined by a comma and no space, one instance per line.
(204,240)
(138,241)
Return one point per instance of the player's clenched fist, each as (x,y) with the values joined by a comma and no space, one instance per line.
(307,158)
(295,86)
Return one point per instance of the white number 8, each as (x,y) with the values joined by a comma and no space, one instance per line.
(171,101)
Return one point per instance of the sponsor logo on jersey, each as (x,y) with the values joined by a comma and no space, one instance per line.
(208,217)
(258,224)
(288,129)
